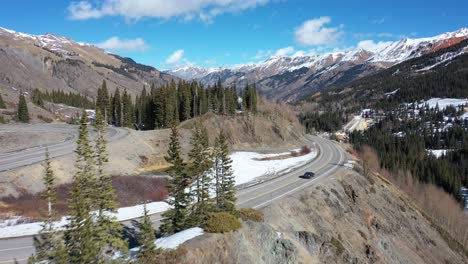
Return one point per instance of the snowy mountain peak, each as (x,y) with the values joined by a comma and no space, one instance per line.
(391,52)
(55,43)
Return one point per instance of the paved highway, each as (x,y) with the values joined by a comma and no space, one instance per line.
(23,157)
(330,160)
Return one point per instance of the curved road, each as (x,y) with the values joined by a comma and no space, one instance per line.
(24,157)
(330,160)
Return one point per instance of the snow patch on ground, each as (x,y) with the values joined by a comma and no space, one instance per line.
(124,213)
(173,241)
(247,166)
(438,152)
(444,102)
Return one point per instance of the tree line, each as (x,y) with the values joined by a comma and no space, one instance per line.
(60,97)
(325,121)
(157,108)
(161,106)
(197,188)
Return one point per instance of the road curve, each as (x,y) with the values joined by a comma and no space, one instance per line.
(24,157)
(330,160)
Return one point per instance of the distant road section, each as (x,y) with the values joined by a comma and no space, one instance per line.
(24,157)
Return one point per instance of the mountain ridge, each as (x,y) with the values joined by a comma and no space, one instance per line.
(52,62)
(298,76)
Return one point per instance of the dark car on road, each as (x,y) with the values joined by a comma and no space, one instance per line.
(308,175)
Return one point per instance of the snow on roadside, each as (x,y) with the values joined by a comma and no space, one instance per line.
(124,213)
(247,166)
(173,241)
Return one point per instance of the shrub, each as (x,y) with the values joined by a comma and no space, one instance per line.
(221,222)
(251,214)
(171,256)
(2,120)
(339,247)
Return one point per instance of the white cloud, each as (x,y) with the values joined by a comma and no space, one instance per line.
(370,45)
(379,21)
(204,10)
(115,43)
(261,54)
(175,57)
(299,53)
(313,33)
(284,51)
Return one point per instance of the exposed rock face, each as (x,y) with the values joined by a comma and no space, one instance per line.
(50,62)
(347,219)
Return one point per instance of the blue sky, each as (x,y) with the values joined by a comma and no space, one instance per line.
(172,33)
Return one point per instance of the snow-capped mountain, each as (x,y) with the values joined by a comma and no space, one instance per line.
(52,62)
(294,77)
(193,72)
(54,43)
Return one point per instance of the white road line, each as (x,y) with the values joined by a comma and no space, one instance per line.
(13,249)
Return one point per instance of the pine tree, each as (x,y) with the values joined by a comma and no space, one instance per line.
(185,101)
(2,103)
(175,219)
(204,102)
(48,246)
(117,109)
(146,237)
(36,98)
(80,232)
(224,177)
(108,229)
(159,107)
(232,100)
(127,110)
(246,99)
(23,113)
(201,176)
(254,99)
(102,100)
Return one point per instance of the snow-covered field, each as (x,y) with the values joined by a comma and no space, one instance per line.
(246,168)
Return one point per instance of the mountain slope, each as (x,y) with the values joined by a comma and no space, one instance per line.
(442,73)
(292,78)
(51,62)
